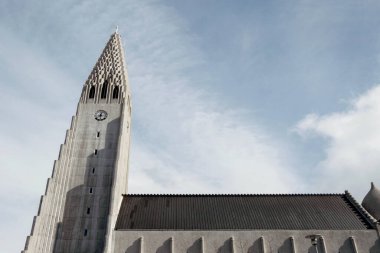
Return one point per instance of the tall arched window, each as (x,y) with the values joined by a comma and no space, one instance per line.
(104,90)
(115,93)
(92,92)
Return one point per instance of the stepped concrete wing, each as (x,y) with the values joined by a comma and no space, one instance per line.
(80,205)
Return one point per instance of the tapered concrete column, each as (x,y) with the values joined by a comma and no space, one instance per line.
(171,245)
(232,245)
(353,244)
(141,244)
(292,244)
(262,244)
(323,244)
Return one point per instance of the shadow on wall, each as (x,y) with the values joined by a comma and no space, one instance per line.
(135,247)
(196,247)
(286,246)
(84,224)
(226,247)
(347,246)
(255,247)
(165,247)
(376,247)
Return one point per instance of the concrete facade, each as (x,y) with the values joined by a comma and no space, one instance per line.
(254,241)
(82,198)
(78,211)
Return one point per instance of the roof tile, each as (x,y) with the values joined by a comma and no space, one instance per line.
(256,212)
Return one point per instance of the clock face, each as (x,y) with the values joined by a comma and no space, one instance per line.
(101,115)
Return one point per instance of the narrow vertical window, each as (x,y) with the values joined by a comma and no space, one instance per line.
(90,189)
(93,170)
(104,90)
(115,93)
(85,232)
(92,92)
(98,134)
(95,152)
(88,210)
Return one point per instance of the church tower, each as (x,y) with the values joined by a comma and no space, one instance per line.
(85,208)
(78,210)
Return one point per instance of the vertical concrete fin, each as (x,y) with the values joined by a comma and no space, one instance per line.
(48,185)
(26,243)
(54,168)
(66,136)
(171,240)
(202,245)
(262,244)
(292,244)
(39,207)
(323,244)
(60,151)
(232,242)
(141,245)
(33,225)
(72,124)
(353,244)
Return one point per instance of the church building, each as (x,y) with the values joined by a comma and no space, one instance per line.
(86,207)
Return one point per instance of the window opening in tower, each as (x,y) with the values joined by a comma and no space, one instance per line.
(104,90)
(115,92)
(92,92)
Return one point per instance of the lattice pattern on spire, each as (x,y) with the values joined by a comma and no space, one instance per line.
(108,81)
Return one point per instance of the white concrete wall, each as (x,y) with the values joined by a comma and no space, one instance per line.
(120,177)
(63,215)
(62,218)
(276,241)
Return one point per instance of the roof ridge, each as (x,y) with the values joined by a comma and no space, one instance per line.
(372,221)
(231,194)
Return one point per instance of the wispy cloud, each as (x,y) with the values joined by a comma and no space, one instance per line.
(185,139)
(353,144)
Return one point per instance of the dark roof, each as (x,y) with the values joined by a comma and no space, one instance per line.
(242,212)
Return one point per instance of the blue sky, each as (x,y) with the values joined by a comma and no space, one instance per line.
(228,96)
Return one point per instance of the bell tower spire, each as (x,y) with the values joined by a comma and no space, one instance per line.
(108,80)
(79,207)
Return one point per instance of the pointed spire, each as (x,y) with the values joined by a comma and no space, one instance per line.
(108,81)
